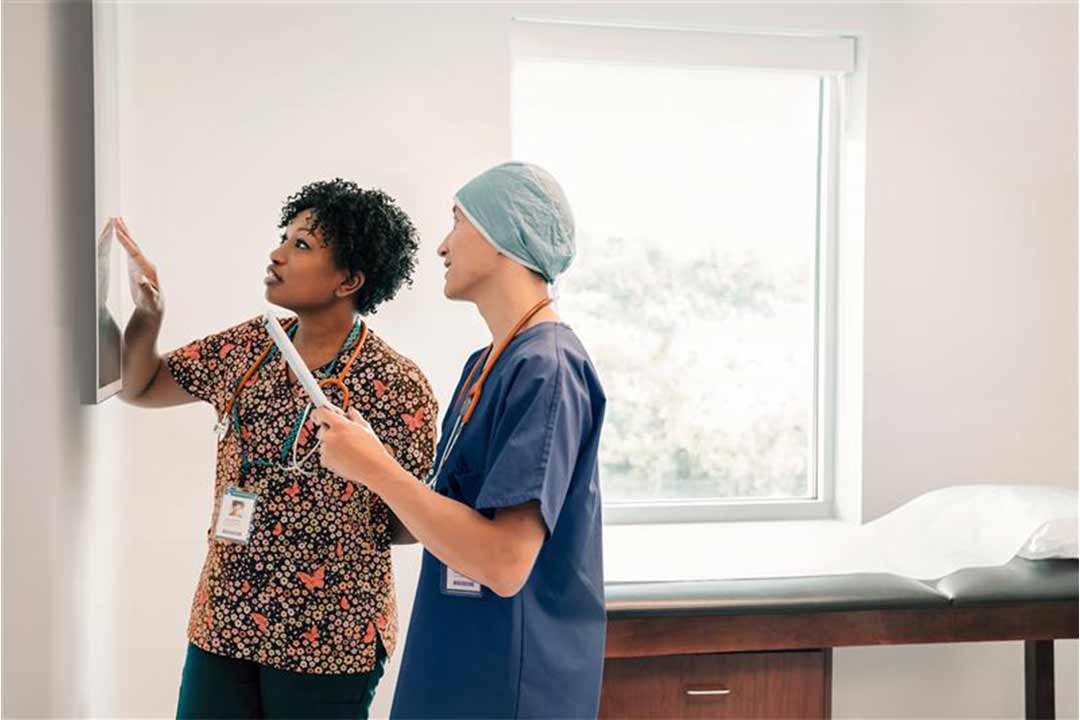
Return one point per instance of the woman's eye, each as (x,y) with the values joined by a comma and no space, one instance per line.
(299,243)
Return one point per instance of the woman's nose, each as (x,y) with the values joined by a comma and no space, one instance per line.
(276,255)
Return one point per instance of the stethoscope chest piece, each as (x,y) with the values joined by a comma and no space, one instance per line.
(221,429)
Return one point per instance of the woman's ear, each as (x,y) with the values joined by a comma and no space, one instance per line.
(351,284)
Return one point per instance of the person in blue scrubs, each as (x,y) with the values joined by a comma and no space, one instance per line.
(509,615)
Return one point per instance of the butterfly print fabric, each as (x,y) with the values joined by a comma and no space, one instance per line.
(313,587)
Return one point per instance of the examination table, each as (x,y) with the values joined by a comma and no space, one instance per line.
(762,648)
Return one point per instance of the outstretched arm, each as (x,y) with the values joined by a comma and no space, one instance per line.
(147,380)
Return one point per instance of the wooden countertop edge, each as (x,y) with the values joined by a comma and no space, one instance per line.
(704,633)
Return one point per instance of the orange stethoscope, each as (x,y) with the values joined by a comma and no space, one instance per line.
(472,393)
(337,381)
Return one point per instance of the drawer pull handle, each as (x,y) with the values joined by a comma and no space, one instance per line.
(699,693)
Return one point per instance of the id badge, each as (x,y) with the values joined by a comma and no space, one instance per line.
(235,515)
(458,585)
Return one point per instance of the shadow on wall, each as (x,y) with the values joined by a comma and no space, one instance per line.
(49,324)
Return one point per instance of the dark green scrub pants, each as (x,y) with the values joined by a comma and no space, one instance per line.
(214,686)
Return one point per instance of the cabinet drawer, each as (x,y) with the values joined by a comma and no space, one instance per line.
(789,684)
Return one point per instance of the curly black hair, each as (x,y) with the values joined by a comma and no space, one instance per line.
(367,232)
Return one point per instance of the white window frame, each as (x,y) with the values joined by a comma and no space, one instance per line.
(840,208)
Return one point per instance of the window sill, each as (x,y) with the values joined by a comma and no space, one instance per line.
(717,551)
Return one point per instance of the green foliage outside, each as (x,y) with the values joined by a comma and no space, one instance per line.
(707,362)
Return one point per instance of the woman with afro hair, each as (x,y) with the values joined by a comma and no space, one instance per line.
(294,613)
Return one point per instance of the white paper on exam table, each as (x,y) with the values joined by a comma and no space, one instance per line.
(930,536)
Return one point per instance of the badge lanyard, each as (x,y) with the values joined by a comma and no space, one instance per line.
(231,419)
(472,394)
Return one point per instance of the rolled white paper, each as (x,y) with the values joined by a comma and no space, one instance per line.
(288,351)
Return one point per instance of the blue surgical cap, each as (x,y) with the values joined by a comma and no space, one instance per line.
(523,212)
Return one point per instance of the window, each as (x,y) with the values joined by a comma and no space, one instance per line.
(700,169)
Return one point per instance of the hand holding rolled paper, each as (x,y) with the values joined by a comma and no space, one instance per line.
(349,447)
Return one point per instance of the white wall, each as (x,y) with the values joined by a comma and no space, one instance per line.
(62,463)
(970,359)
(971,356)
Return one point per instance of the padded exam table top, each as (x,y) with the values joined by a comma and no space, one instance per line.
(1019,580)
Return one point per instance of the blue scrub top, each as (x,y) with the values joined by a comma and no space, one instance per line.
(533,436)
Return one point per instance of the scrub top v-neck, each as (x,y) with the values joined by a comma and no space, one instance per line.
(534,436)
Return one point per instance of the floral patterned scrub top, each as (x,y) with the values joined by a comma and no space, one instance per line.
(313,585)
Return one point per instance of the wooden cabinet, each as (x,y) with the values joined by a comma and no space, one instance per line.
(788,684)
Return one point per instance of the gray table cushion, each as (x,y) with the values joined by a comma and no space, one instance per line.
(1019,580)
(862,591)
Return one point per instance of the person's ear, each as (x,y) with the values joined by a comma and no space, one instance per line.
(351,284)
